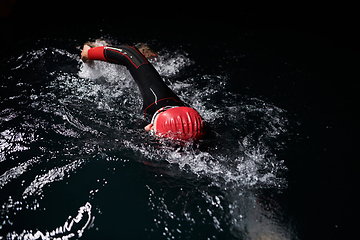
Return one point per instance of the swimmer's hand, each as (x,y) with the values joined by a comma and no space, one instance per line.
(84,53)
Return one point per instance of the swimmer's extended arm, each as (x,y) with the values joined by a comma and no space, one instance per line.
(123,55)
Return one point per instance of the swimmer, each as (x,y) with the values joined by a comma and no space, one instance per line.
(170,117)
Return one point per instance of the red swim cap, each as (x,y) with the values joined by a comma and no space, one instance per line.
(180,123)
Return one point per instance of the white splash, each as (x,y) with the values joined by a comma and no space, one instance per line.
(64,232)
(169,64)
(55,174)
(15,172)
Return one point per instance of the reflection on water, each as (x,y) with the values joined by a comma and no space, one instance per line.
(81,120)
(254,217)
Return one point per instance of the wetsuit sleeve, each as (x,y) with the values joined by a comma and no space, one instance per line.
(153,90)
(123,55)
(96,53)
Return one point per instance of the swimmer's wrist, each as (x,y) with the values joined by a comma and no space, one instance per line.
(84,53)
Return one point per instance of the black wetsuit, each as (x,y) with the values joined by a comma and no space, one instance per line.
(155,93)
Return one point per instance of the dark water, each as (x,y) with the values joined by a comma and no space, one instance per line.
(278,161)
